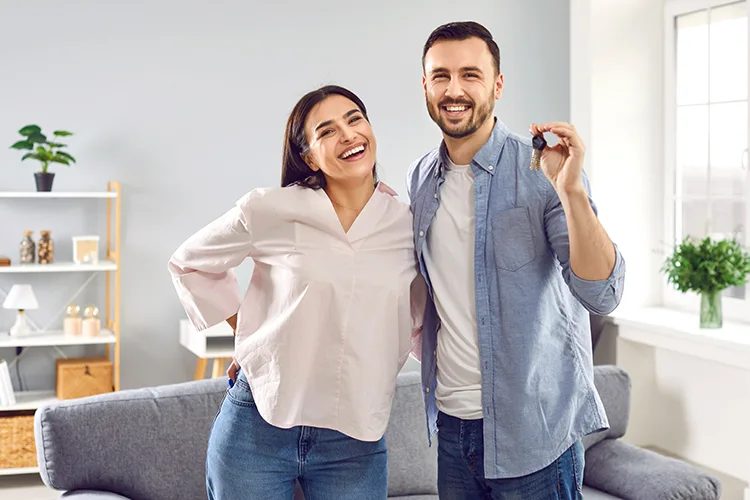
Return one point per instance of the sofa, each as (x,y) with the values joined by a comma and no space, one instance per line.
(150,444)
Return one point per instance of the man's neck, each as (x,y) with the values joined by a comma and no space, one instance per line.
(462,151)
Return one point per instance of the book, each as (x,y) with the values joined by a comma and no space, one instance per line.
(6,385)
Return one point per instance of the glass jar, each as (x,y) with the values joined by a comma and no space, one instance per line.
(46,248)
(27,248)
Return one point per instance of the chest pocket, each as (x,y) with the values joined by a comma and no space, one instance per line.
(512,238)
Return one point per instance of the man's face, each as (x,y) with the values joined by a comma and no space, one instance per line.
(461,85)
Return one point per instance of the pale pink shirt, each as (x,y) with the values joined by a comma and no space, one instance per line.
(328,318)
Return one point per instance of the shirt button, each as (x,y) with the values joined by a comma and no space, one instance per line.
(490,167)
(421,233)
(435,196)
(427,390)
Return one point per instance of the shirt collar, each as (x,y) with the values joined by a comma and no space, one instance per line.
(488,155)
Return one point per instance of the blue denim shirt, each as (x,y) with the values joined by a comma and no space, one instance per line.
(538,393)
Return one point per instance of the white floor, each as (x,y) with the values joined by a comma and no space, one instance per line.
(26,487)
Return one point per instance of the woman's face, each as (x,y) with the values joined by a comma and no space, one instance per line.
(341,141)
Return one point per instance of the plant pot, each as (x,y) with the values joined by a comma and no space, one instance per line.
(711,313)
(44,181)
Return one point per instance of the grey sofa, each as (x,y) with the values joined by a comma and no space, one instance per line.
(150,444)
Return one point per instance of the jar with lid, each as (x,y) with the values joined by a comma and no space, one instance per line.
(46,248)
(27,248)
(91,322)
(73,322)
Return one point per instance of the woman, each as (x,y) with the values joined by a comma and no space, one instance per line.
(326,323)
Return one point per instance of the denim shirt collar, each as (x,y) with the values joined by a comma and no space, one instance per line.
(488,155)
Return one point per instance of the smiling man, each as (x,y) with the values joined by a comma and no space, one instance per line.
(515,259)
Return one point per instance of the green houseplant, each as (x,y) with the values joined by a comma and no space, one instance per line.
(44,151)
(708,267)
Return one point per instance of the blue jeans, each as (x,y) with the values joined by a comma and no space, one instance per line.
(461,469)
(249,458)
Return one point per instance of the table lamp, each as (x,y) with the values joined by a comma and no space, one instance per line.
(21,297)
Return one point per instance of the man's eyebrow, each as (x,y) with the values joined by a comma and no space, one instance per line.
(330,122)
(475,69)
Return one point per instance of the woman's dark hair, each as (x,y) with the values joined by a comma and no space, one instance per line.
(294,169)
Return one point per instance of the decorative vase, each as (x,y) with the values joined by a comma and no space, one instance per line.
(711,314)
(44,180)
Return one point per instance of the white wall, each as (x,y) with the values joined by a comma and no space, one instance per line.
(617,96)
(185,102)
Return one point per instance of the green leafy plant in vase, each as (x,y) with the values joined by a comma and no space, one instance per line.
(708,267)
(44,151)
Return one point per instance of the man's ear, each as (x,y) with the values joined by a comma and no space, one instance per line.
(499,83)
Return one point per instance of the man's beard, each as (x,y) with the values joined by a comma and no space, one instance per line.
(476,120)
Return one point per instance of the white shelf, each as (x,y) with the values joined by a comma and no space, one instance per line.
(58,194)
(31,400)
(59,267)
(55,338)
(18,472)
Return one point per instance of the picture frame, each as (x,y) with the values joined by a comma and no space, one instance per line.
(86,249)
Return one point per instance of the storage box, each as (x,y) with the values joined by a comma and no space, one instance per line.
(18,449)
(81,377)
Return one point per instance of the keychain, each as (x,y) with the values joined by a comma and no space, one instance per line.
(538,143)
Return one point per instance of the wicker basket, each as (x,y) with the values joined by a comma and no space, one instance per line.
(17,437)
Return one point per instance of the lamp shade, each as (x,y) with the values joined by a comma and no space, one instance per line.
(21,297)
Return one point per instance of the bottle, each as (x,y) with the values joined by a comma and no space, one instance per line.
(91,323)
(46,248)
(27,248)
(72,324)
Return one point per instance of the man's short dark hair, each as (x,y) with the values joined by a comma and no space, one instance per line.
(458,31)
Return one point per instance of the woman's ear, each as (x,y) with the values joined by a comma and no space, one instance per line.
(307,158)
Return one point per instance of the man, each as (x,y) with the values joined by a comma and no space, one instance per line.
(515,259)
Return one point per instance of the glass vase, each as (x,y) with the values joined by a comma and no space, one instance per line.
(711,314)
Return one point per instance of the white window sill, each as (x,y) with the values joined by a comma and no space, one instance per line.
(680,331)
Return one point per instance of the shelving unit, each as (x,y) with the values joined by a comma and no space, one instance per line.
(109,337)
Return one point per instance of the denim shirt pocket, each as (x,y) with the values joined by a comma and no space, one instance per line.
(512,238)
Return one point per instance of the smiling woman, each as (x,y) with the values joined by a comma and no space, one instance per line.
(333,309)
(308,133)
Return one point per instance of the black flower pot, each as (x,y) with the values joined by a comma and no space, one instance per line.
(44,181)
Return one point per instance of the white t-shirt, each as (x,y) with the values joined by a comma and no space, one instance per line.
(449,256)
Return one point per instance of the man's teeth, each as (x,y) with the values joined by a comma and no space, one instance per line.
(456,108)
(354,151)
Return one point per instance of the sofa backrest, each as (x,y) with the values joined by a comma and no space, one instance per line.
(141,443)
(613,385)
(151,443)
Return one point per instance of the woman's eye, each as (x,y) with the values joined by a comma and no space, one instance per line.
(355,119)
(326,132)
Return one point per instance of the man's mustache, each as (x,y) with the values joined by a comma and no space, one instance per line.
(446,102)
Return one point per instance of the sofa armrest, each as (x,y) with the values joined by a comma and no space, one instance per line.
(633,473)
(91,495)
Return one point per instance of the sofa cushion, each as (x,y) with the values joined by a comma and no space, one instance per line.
(92,495)
(633,473)
(592,494)
(412,464)
(613,386)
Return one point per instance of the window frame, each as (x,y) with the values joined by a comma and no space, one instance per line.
(734,309)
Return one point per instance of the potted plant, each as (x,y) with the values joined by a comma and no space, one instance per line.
(44,151)
(708,267)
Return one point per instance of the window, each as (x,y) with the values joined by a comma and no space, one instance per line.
(708,184)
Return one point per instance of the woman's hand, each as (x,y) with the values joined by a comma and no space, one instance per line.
(232,372)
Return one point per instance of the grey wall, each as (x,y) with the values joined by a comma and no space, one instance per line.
(185,102)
